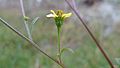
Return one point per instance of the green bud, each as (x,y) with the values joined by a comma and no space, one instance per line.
(26,18)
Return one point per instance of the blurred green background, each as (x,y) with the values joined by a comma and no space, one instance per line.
(103,18)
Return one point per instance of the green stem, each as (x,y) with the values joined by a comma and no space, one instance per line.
(59,47)
(25,22)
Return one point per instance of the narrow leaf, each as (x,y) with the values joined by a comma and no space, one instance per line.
(35,20)
(66,49)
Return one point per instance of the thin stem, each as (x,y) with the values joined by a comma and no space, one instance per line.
(59,47)
(28,31)
(30,41)
(25,22)
(91,34)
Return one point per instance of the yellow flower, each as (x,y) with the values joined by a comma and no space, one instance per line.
(58,13)
(59,17)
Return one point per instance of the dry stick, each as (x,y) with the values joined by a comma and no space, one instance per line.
(25,22)
(91,34)
(30,41)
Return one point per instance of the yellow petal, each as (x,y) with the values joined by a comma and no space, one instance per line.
(54,13)
(66,15)
(50,15)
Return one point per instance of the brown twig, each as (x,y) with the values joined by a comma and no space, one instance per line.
(91,34)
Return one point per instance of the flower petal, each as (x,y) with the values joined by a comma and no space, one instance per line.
(66,15)
(50,15)
(54,13)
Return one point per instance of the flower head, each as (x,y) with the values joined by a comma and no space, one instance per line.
(58,13)
(59,16)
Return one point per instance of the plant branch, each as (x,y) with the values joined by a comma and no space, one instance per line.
(59,47)
(30,41)
(91,34)
(25,22)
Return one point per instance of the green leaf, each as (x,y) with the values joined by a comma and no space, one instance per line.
(66,49)
(32,24)
(35,20)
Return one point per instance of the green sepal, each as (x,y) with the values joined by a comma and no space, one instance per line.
(59,21)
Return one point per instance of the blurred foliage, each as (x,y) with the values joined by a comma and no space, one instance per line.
(17,53)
